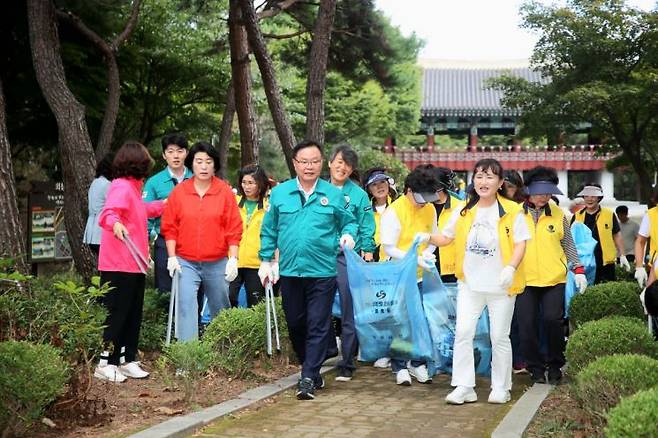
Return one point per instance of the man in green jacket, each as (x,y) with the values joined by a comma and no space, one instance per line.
(305,218)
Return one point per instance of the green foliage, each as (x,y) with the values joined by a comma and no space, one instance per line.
(238,336)
(606,299)
(603,382)
(603,337)
(190,360)
(31,377)
(369,158)
(635,416)
(154,320)
(622,274)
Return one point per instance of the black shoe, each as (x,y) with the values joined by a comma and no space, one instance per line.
(344,374)
(306,389)
(319,383)
(538,376)
(554,376)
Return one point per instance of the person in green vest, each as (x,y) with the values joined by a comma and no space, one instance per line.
(309,221)
(605,230)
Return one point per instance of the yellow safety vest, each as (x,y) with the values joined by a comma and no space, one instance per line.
(250,242)
(653,234)
(447,253)
(413,220)
(378,239)
(604,226)
(509,210)
(544,261)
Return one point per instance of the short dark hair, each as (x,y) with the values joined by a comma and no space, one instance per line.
(305,144)
(513,177)
(259,175)
(350,157)
(104,166)
(622,209)
(174,138)
(541,173)
(202,147)
(422,180)
(132,161)
(446,177)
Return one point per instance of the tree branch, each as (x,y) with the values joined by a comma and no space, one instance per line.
(130,26)
(285,36)
(275,9)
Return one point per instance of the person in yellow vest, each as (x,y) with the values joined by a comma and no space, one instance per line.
(253,186)
(378,185)
(648,231)
(605,230)
(408,215)
(549,253)
(444,206)
(490,235)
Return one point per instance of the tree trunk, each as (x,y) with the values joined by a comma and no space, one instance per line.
(75,150)
(317,71)
(272,91)
(226,130)
(12,240)
(632,152)
(241,76)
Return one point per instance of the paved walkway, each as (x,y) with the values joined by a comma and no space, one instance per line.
(370,405)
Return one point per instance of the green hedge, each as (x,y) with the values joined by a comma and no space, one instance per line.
(617,334)
(154,320)
(238,337)
(602,383)
(615,298)
(31,377)
(636,416)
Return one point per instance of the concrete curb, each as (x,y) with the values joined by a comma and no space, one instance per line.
(523,411)
(186,424)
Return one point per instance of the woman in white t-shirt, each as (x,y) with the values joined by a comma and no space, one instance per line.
(490,233)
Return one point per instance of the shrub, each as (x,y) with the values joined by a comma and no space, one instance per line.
(602,383)
(606,299)
(191,360)
(31,377)
(636,416)
(617,334)
(238,336)
(154,320)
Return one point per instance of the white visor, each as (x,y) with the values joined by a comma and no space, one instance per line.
(591,191)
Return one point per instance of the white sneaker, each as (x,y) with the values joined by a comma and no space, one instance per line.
(110,373)
(402,377)
(499,396)
(382,362)
(420,373)
(133,370)
(461,395)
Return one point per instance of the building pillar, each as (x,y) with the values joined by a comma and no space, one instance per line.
(563,184)
(607,182)
(473,137)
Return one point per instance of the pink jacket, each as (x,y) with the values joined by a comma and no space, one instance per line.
(124,204)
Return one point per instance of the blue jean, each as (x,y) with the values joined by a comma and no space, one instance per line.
(215,286)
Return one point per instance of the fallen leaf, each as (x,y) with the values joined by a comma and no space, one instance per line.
(168,411)
(48,422)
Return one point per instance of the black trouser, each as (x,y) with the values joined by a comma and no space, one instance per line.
(162,278)
(348,340)
(124,313)
(551,300)
(255,290)
(307,305)
(605,273)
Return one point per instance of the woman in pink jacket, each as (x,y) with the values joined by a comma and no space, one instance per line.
(123,261)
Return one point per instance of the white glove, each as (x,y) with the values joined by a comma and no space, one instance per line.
(426,259)
(266,272)
(346,241)
(623,262)
(173,266)
(231,271)
(642,300)
(641,277)
(581,282)
(422,237)
(506,276)
(275,272)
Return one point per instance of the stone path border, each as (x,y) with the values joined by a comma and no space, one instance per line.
(523,411)
(185,425)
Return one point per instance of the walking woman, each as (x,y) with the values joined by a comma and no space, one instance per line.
(124,217)
(378,185)
(202,229)
(95,202)
(252,192)
(490,237)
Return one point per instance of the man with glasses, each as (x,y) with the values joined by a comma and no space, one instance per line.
(305,218)
(158,187)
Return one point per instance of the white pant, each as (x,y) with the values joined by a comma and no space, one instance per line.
(469,308)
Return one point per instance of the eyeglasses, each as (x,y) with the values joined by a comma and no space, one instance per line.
(306,163)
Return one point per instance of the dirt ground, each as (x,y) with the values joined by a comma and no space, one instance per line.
(122,409)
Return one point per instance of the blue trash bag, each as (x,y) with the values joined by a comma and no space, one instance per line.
(335,308)
(585,244)
(388,311)
(440,304)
